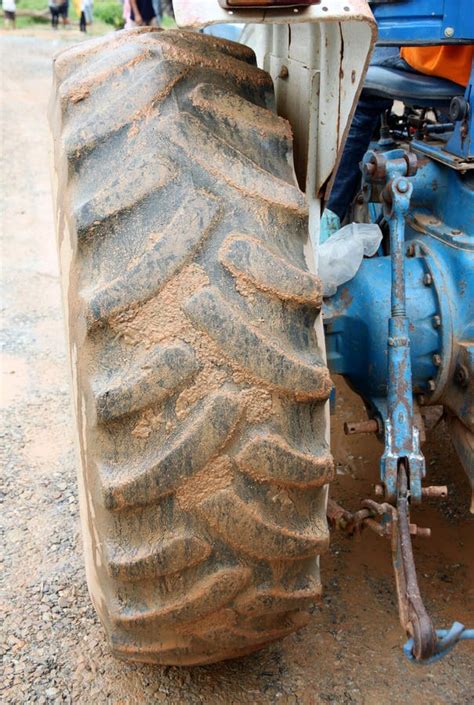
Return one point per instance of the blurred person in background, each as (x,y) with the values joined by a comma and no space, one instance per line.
(58,8)
(158,7)
(83,9)
(127,11)
(9,13)
(143,13)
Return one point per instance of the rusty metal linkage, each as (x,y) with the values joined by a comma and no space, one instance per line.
(425,644)
(413,615)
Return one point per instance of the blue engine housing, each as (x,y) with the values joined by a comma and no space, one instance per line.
(439,262)
(440,301)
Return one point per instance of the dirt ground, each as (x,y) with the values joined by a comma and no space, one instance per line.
(52,645)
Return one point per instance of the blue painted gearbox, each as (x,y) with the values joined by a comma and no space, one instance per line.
(356,327)
(439,267)
(403,328)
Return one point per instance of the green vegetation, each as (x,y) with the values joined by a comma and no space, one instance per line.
(37,5)
(110,12)
(168,22)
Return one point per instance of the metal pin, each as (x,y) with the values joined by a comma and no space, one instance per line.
(436,491)
(371,426)
(421,531)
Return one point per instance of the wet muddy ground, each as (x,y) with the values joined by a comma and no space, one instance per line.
(52,645)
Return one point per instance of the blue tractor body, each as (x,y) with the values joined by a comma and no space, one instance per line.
(410,22)
(434,226)
(402,330)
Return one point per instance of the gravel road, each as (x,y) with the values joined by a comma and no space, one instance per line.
(52,645)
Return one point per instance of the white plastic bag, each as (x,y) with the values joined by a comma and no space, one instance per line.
(340,255)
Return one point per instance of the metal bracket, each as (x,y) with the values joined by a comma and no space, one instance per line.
(401,436)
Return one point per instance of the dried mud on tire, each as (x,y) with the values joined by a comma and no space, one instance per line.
(199,387)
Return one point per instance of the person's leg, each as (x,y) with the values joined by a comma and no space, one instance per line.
(89,14)
(396,62)
(64,13)
(158,11)
(365,121)
(82,22)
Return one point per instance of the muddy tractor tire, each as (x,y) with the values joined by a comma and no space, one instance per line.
(199,387)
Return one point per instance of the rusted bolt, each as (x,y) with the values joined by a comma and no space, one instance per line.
(379,490)
(436,320)
(437,360)
(437,491)
(284,73)
(411,250)
(456,231)
(427,279)
(370,426)
(402,186)
(431,385)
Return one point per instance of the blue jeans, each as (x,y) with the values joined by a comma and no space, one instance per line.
(364,123)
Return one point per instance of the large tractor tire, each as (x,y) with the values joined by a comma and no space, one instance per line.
(199,387)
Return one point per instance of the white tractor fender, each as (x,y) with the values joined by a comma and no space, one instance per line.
(194,14)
